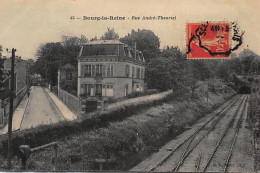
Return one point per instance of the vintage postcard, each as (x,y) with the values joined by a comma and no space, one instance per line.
(129,86)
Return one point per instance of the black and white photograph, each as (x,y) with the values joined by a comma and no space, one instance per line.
(129,86)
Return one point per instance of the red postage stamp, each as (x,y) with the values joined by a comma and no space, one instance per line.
(208,40)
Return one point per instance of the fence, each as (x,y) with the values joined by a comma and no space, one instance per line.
(4,108)
(139,100)
(72,102)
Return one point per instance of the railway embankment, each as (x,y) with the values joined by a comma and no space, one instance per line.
(123,144)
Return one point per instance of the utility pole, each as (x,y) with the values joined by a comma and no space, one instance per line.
(9,157)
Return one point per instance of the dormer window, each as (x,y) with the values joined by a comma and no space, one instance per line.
(138,56)
(126,51)
(129,53)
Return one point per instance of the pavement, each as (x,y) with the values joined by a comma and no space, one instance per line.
(17,116)
(42,108)
(68,115)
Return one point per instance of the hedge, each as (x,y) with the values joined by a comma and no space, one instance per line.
(48,133)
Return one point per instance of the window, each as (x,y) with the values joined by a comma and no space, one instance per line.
(127,70)
(133,72)
(69,76)
(98,70)
(88,88)
(138,73)
(82,71)
(110,90)
(110,86)
(93,70)
(103,70)
(87,71)
(125,51)
(110,70)
(129,53)
(137,87)
(103,90)
(142,73)
(126,89)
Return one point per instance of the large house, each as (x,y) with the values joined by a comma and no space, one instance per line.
(109,68)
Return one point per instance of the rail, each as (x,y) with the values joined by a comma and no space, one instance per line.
(221,138)
(223,111)
(234,140)
(187,152)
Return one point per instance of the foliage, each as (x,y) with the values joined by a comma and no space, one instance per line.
(166,71)
(110,35)
(1,71)
(51,56)
(146,41)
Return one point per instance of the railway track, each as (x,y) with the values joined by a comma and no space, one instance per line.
(190,143)
(236,120)
(188,151)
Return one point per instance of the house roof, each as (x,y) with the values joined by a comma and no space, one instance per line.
(103,42)
(110,48)
(67,67)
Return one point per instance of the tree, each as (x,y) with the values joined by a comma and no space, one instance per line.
(166,70)
(110,34)
(158,74)
(71,48)
(249,62)
(51,56)
(146,41)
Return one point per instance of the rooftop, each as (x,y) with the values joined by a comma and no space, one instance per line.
(103,42)
(110,48)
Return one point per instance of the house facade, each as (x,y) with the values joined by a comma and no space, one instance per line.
(67,78)
(109,68)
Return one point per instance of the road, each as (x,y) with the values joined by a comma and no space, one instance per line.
(40,109)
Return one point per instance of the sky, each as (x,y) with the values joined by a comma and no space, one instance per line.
(26,24)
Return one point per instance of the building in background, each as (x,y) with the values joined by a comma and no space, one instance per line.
(67,79)
(21,67)
(109,68)
(20,86)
